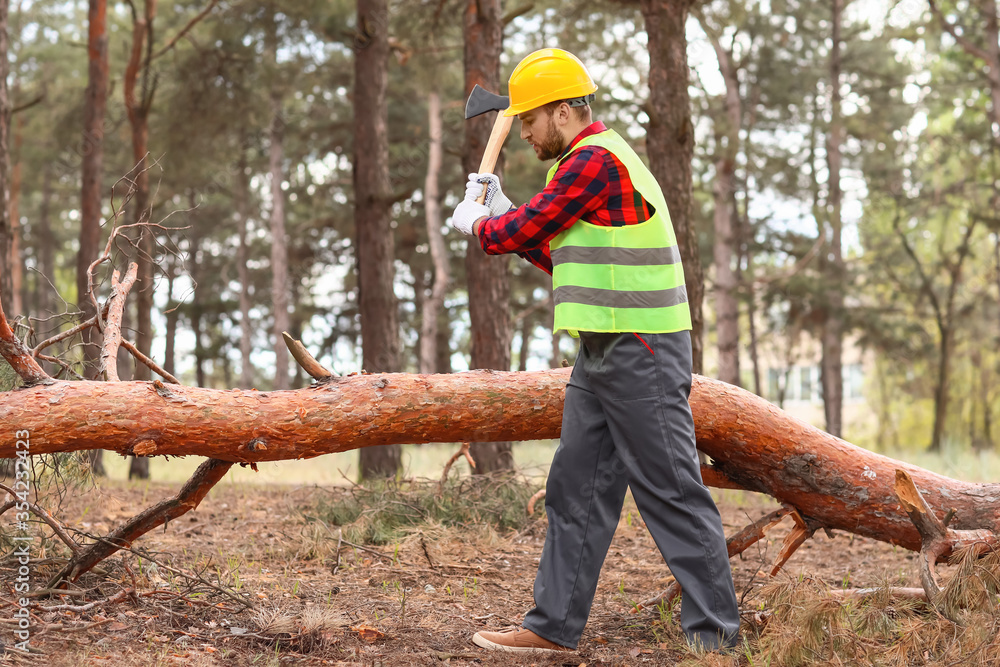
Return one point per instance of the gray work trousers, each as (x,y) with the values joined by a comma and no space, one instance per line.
(627,422)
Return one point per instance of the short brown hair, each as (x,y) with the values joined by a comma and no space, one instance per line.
(582,112)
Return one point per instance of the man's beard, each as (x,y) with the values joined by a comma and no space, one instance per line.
(551,146)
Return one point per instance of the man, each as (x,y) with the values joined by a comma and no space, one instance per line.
(602,229)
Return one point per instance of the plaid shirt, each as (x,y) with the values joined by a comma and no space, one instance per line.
(592,185)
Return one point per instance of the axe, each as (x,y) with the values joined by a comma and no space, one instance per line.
(481,101)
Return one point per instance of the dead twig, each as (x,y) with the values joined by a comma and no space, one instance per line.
(534,499)
(149,363)
(113,324)
(19,356)
(69,333)
(40,512)
(463,451)
(187,28)
(120,596)
(304,359)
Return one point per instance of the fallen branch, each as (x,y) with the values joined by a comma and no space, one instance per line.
(187,499)
(937,540)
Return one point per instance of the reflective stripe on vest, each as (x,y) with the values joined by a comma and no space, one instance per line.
(620,279)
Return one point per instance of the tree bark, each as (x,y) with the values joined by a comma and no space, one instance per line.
(435,239)
(7,242)
(670,142)
(279,248)
(375,246)
(833,327)
(487,276)
(92,165)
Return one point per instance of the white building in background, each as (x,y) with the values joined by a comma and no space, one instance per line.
(797,389)
(790,378)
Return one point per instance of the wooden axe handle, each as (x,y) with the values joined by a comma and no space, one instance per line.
(501,127)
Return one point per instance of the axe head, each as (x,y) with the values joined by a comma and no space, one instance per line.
(482,100)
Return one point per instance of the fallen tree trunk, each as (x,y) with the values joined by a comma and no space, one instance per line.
(753,444)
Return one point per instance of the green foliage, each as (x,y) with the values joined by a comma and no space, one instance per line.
(8,378)
(382,512)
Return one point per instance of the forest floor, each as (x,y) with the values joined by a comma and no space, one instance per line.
(417,601)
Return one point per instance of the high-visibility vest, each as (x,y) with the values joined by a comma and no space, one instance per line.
(620,279)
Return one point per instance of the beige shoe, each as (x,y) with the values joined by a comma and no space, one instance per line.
(521,640)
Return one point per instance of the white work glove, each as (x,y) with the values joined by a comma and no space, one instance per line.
(466,213)
(496,200)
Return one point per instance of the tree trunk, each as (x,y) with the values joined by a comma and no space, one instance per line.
(753,444)
(17,262)
(6,225)
(242,258)
(46,255)
(992,44)
(670,142)
(727,135)
(727,312)
(196,308)
(279,250)
(439,252)
(487,276)
(527,326)
(172,316)
(443,363)
(832,370)
(375,246)
(92,165)
(137,105)
(941,388)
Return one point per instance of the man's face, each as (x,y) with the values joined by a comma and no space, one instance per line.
(539,129)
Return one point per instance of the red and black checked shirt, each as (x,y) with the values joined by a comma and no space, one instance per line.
(591,185)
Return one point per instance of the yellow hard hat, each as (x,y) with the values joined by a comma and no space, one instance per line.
(546,76)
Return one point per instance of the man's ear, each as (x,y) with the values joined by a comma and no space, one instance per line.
(562,114)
